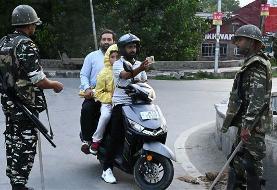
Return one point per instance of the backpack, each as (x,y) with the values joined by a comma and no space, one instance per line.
(9,67)
(8,62)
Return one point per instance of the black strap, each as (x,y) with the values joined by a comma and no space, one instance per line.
(122,87)
(47,113)
(130,71)
(18,38)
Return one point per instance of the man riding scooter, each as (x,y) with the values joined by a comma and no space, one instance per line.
(128,45)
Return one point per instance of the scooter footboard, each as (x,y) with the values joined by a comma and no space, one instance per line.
(159,148)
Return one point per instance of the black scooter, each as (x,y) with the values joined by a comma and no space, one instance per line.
(143,154)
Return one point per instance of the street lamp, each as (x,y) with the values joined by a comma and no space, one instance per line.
(93,25)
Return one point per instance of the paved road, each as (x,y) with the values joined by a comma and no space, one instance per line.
(184,103)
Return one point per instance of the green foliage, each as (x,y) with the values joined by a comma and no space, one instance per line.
(168,29)
(226,5)
(200,75)
(273,62)
(274,74)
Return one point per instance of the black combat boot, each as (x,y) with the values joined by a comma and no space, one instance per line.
(255,182)
(21,187)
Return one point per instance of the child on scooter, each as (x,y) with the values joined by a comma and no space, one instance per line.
(103,93)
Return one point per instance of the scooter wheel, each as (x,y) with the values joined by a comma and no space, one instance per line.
(155,173)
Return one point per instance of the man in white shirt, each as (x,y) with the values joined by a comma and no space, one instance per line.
(128,46)
(93,64)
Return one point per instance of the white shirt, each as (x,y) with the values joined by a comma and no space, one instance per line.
(93,64)
(119,96)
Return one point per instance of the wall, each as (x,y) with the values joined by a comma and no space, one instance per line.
(182,65)
(76,63)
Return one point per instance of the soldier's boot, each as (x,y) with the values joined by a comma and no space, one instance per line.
(234,182)
(21,187)
(255,183)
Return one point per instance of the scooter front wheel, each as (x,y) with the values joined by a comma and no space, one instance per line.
(153,171)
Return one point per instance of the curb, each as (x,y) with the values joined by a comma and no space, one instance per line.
(62,73)
(180,149)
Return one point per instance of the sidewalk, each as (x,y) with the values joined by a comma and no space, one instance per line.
(196,150)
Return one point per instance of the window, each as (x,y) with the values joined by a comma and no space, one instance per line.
(223,50)
(236,51)
(235,26)
(208,50)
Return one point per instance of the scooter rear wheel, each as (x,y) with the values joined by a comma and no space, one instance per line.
(154,174)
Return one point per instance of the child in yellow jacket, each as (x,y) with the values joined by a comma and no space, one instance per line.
(103,93)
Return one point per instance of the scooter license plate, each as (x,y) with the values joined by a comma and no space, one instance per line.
(145,115)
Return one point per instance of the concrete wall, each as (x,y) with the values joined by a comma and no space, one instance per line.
(181,65)
(76,63)
(225,140)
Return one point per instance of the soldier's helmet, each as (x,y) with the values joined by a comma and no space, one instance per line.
(249,31)
(24,15)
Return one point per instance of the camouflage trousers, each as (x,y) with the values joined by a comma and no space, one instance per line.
(21,140)
(249,158)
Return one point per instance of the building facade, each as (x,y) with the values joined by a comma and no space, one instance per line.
(249,14)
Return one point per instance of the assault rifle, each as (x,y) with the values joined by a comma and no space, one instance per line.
(37,123)
(33,118)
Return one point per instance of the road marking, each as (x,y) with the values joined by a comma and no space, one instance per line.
(180,149)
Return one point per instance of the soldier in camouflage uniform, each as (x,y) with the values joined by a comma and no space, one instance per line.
(249,110)
(29,80)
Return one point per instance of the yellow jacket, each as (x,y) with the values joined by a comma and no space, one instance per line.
(105,84)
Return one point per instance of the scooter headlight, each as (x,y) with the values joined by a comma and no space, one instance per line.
(136,126)
(141,129)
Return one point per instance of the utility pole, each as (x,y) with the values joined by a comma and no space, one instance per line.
(217,39)
(262,17)
(93,25)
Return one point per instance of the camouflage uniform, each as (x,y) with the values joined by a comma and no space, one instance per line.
(250,107)
(20,135)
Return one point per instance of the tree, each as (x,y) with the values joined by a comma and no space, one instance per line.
(226,5)
(168,29)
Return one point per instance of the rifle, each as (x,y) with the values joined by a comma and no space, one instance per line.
(33,118)
(37,123)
